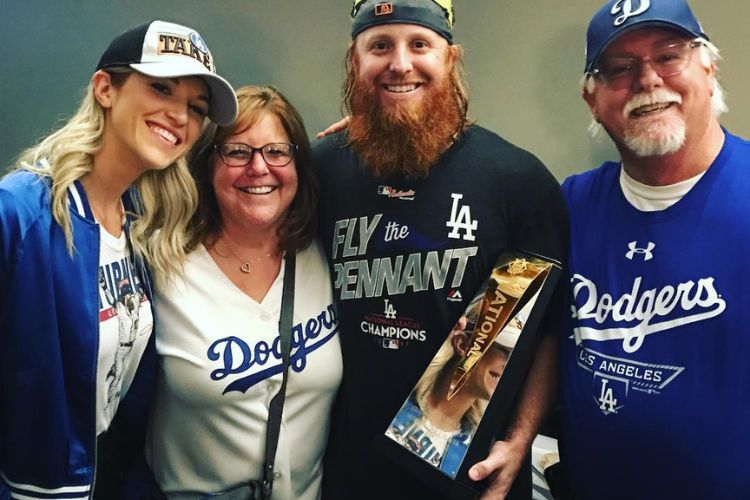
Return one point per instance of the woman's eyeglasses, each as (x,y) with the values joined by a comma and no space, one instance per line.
(237,154)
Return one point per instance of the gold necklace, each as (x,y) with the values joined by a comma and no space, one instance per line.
(99,215)
(437,431)
(245,264)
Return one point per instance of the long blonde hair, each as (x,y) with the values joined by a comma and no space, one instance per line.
(442,366)
(165,198)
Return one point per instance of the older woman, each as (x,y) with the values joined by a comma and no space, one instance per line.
(78,216)
(219,327)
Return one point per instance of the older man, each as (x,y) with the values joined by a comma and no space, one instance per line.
(655,373)
(417,203)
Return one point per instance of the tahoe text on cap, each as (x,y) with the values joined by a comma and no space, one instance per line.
(176,44)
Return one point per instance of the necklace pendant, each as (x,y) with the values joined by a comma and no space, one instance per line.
(245,267)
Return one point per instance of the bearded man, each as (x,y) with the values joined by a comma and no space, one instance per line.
(416,205)
(655,358)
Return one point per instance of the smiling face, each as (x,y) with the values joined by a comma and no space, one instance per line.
(653,115)
(405,96)
(150,122)
(255,196)
(401,63)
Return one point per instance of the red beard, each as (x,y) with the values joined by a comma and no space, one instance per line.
(406,139)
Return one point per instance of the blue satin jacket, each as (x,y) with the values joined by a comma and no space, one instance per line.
(49,340)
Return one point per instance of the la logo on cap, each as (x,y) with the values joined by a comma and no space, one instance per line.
(384,9)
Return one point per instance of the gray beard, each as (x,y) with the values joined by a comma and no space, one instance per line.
(653,140)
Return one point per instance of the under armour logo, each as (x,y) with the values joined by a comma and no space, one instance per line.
(626,7)
(646,252)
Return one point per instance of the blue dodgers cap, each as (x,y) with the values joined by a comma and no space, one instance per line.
(436,15)
(619,16)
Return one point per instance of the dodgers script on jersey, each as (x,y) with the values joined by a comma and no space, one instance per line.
(655,350)
(406,256)
(222,365)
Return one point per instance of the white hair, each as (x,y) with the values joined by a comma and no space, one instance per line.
(709,58)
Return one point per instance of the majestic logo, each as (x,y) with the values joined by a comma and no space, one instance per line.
(646,252)
(454,295)
(626,7)
(384,9)
(461,220)
(615,378)
(653,310)
(392,192)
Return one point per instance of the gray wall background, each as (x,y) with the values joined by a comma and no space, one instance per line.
(523,58)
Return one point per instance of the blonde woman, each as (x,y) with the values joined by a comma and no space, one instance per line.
(81,214)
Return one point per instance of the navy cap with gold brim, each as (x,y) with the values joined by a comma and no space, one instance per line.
(436,15)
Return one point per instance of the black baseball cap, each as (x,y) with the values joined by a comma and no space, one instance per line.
(436,15)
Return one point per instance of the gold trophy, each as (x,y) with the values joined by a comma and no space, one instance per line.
(510,286)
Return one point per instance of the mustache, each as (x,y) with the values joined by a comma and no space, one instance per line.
(405,139)
(658,96)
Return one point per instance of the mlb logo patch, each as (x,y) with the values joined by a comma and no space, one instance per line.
(384,9)
(390,343)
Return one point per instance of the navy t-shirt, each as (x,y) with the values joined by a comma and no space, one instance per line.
(406,256)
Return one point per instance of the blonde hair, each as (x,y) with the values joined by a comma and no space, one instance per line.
(442,366)
(165,199)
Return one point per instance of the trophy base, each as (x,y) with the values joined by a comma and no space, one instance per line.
(458,488)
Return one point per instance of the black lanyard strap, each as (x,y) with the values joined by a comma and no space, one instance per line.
(277,403)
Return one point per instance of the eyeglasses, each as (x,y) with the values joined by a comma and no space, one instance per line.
(666,60)
(275,154)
